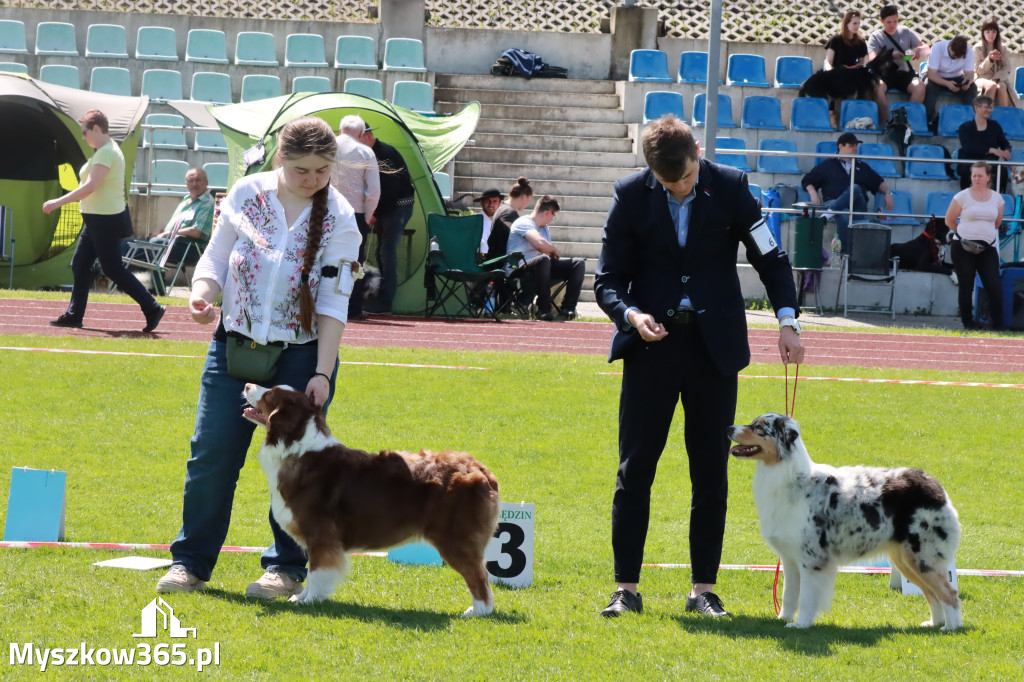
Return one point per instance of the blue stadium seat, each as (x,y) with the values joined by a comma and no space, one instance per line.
(1011,120)
(206,46)
(167,177)
(259,86)
(859,108)
(916,117)
(12,37)
(810,114)
(1017,156)
(693,67)
(724,110)
(355,52)
(923,169)
(937,203)
(161,84)
(254,48)
(211,87)
(734,160)
(825,147)
(763,112)
(106,40)
(404,54)
(778,164)
(755,190)
(748,70)
(165,139)
(884,167)
(158,43)
(952,116)
(791,71)
(648,66)
(367,87)
(413,95)
(311,84)
(217,174)
(111,80)
(657,103)
(444,184)
(56,38)
(60,74)
(1018,82)
(1009,205)
(903,202)
(305,49)
(13,67)
(209,141)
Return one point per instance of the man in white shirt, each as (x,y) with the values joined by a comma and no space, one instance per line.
(950,71)
(489,202)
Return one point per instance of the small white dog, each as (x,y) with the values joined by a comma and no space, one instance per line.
(818,518)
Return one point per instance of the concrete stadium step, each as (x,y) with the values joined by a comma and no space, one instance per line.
(539,113)
(587,250)
(526,97)
(477,184)
(560,231)
(546,157)
(508,126)
(491,169)
(586,220)
(505,140)
(487,82)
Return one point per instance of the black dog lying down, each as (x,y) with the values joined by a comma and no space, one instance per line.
(856,82)
(922,252)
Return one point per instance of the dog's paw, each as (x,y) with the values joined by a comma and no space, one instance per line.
(305,597)
(798,625)
(478,608)
(788,617)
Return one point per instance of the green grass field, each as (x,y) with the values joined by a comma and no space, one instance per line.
(546,425)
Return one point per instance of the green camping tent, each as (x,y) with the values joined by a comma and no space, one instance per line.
(39,160)
(425,142)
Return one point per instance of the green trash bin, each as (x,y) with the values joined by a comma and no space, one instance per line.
(807,235)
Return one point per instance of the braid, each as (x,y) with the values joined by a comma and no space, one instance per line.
(315,231)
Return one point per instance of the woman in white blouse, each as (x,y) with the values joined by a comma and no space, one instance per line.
(980,211)
(281,254)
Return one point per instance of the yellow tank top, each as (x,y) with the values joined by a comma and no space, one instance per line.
(108,198)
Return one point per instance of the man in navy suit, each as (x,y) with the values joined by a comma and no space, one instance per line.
(667,277)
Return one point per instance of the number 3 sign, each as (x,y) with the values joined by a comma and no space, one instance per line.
(509,554)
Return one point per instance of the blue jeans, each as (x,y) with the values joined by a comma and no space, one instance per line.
(219,446)
(840,205)
(392,228)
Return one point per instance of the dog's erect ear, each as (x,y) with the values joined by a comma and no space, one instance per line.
(786,430)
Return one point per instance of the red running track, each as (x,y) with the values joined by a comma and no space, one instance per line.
(863,349)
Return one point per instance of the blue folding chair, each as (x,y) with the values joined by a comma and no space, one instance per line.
(791,71)
(778,164)
(693,67)
(916,117)
(748,70)
(763,112)
(810,114)
(648,66)
(952,116)
(724,110)
(858,108)
(1011,120)
(925,170)
(884,167)
(825,147)
(734,160)
(903,202)
(657,103)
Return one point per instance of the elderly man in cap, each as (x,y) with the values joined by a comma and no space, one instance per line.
(832,178)
(489,202)
(357,177)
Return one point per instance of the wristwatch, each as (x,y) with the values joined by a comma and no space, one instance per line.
(790,322)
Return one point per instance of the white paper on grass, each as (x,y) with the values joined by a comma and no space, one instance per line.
(136,563)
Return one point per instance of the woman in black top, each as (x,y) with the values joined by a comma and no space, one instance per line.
(846,48)
(982,139)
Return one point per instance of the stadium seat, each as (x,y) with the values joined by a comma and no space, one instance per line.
(206,46)
(746,69)
(404,54)
(1017,156)
(755,190)
(355,52)
(923,169)
(952,116)
(259,86)
(763,112)
(1011,120)
(825,147)
(778,164)
(12,37)
(937,203)
(106,40)
(304,49)
(444,184)
(208,141)
(858,108)
(56,38)
(158,43)
(217,174)
(311,84)
(414,96)
(693,67)
(724,110)
(111,80)
(211,87)
(167,177)
(161,84)
(13,67)
(60,74)
(791,71)
(657,103)
(648,66)
(916,117)
(1009,205)
(164,139)
(810,114)
(367,87)
(253,48)
(884,167)
(734,160)
(903,202)
(1018,82)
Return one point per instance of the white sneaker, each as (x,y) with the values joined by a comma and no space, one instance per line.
(273,585)
(954,279)
(179,580)
(828,215)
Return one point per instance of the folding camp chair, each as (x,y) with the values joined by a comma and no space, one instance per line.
(155,257)
(869,263)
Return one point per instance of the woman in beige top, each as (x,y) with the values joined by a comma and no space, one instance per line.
(991,68)
(980,211)
(105,222)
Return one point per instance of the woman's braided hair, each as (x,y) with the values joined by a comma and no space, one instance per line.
(302,137)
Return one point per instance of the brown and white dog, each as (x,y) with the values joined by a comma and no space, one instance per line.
(818,517)
(334,500)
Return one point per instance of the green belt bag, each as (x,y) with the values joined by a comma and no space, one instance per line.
(252,361)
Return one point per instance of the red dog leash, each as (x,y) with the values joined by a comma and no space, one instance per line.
(790,409)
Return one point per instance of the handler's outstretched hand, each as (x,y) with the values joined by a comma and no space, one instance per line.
(791,348)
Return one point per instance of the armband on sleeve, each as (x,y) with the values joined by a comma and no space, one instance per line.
(761,238)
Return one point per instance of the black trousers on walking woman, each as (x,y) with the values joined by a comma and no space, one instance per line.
(986,266)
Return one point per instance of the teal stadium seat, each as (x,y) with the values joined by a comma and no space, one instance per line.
(1009,205)
(209,141)
(952,116)
(693,67)
(253,48)
(157,43)
(260,86)
(12,37)
(724,110)
(810,114)
(792,71)
(14,67)
(648,66)
(858,108)
(106,40)
(734,160)
(217,174)
(111,80)
(304,49)
(746,69)
(206,46)
(937,203)
(924,170)
(56,39)
(778,164)
(825,147)
(884,167)
(1011,120)
(311,84)
(657,103)
(755,190)
(916,117)
(164,139)
(60,74)
(211,87)
(762,112)
(367,87)
(355,52)
(414,96)
(902,202)
(444,184)
(161,85)
(167,177)
(404,54)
